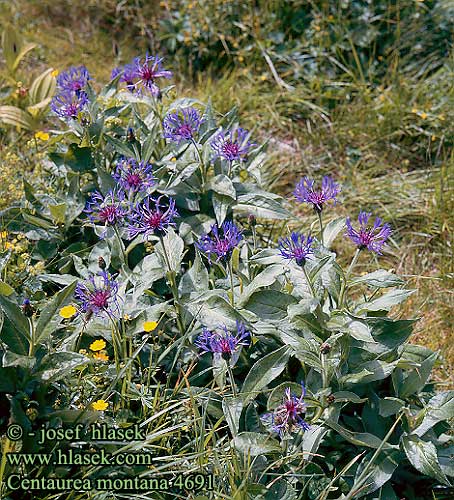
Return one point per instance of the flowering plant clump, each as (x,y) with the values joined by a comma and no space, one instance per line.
(170,298)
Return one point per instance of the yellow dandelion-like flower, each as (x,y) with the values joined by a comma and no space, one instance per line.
(101,356)
(55,73)
(263,77)
(100,405)
(4,235)
(414,110)
(240,58)
(149,326)
(68,311)
(42,136)
(423,115)
(98,345)
(173,158)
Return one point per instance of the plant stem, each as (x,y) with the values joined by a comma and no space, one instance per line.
(232,380)
(320,221)
(347,275)
(122,246)
(232,296)
(202,165)
(31,347)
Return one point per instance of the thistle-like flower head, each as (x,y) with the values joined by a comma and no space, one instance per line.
(231,145)
(305,192)
(108,210)
(221,241)
(296,247)
(222,341)
(68,104)
(98,295)
(74,79)
(371,237)
(182,125)
(151,216)
(134,176)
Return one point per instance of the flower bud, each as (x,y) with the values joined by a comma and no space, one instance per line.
(330,399)
(102,263)
(27,308)
(325,348)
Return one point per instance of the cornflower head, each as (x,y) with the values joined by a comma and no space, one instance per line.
(73,79)
(98,295)
(108,210)
(68,105)
(371,237)
(182,125)
(288,416)
(151,217)
(222,343)
(142,74)
(305,192)
(134,176)
(221,242)
(232,145)
(296,247)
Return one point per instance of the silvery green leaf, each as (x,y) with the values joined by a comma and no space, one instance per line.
(232,408)
(222,185)
(173,248)
(266,278)
(331,230)
(385,302)
(101,249)
(196,279)
(253,444)
(379,472)
(423,456)
(269,304)
(439,408)
(379,279)
(414,381)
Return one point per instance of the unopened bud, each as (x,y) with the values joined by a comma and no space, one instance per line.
(330,399)
(252,220)
(27,308)
(325,348)
(102,263)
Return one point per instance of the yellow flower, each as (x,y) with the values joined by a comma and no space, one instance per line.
(100,405)
(240,58)
(101,356)
(127,317)
(43,136)
(98,345)
(381,97)
(263,77)
(149,326)
(414,110)
(441,118)
(423,115)
(173,159)
(55,73)
(68,311)
(4,235)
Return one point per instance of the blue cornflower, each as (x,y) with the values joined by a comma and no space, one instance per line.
(74,79)
(68,105)
(108,210)
(373,238)
(297,247)
(182,125)
(221,242)
(305,193)
(98,295)
(289,415)
(233,145)
(152,217)
(223,343)
(134,176)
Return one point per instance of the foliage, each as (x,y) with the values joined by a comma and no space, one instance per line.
(377,428)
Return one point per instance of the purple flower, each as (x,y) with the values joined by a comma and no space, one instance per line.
(222,342)
(305,193)
(107,210)
(182,125)
(98,295)
(296,246)
(147,219)
(73,79)
(222,244)
(373,238)
(134,176)
(289,415)
(68,105)
(233,145)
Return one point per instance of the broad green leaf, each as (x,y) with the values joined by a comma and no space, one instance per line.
(346,396)
(270,304)
(5,289)
(423,456)
(58,212)
(390,406)
(379,472)
(264,371)
(212,310)
(15,331)
(16,117)
(232,408)
(43,87)
(379,279)
(369,372)
(121,147)
(172,252)
(358,438)
(439,408)
(261,207)
(386,301)
(222,185)
(221,205)
(331,230)
(49,318)
(417,378)
(254,444)
(58,365)
(196,279)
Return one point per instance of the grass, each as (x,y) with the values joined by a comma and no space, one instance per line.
(387,142)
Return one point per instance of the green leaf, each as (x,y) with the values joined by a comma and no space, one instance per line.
(121,147)
(58,365)
(264,371)
(43,87)
(270,304)
(49,315)
(221,205)
(261,206)
(417,378)
(58,212)
(15,331)
(390,406)
(358,438)
(212,310)
(196,279)
(232,408)
(254,444)
(379,279)
(173,247)
(369,372)
(379,472)
(423,456)
(222,185)
(331,230)
(5,289)
(439,408)
(16,117)
(386,301)
(346,396)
